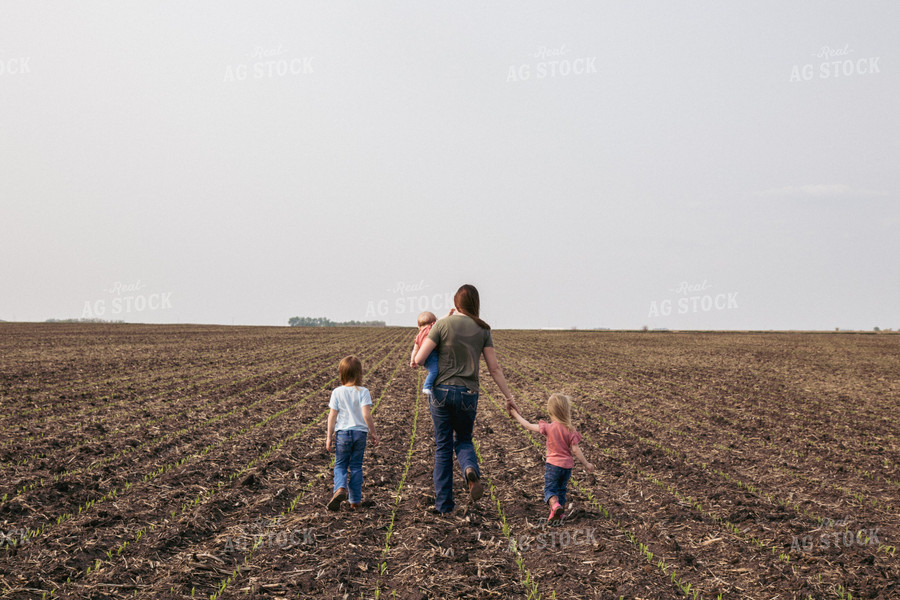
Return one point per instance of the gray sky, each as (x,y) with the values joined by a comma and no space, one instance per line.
(586,164)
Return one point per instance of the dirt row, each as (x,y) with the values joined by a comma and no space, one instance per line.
(44,358)
(870,489)
(870,471)
(428,556)
(836,369)
(153,422)
(191,471)
(198,365)
(689,499)
(852,375)
(868,573)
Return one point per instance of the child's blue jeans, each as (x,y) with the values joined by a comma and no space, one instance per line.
(431,366)
(349,451)
(555,481)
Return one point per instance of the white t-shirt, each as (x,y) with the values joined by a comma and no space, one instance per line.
(348,401)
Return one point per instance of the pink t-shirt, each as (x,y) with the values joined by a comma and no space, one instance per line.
(559,443)
(423,333)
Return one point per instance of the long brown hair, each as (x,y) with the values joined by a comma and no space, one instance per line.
(351,370)
(468,303)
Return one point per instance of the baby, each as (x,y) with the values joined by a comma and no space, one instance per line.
(426,320)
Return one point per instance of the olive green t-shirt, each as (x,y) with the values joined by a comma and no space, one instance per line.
(460,342)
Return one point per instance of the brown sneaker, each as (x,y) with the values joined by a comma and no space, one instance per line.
(335,502)
(476,490)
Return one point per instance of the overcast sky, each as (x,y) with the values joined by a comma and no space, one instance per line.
(720,165)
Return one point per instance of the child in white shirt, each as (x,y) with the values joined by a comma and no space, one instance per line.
(351,419)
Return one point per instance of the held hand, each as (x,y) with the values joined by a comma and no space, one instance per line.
(589,468)
(413,364)
(511,405)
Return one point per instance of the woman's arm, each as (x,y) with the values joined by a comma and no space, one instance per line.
(424,350)
(576,452)
(525,422)
(490,357)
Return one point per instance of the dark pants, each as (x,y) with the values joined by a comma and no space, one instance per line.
(453,409)
(555,481)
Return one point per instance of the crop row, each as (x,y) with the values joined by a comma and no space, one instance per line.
(81,359)
(206,494)
(840,427)
(128,486)
(128,401)
(685,500)
(146,408)
(625,429)
(225,583)
(338,535)
(813,412)
(539,451)
(855,496)
(236,411)
(275,516)
(85,402)
(81,393)
(382,567)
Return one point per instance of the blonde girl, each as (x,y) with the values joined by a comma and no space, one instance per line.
(562,446)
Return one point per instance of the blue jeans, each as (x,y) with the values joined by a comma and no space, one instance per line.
(453,409)
(431,366)
(555,481)
(349,451)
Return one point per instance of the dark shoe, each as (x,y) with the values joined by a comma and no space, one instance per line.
(476,490)
(335,502)
(354,506)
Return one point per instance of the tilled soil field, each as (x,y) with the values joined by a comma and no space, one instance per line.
(170,462)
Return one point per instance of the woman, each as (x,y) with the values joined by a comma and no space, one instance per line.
(460,339)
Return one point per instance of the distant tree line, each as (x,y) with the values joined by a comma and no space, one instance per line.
(325,322)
